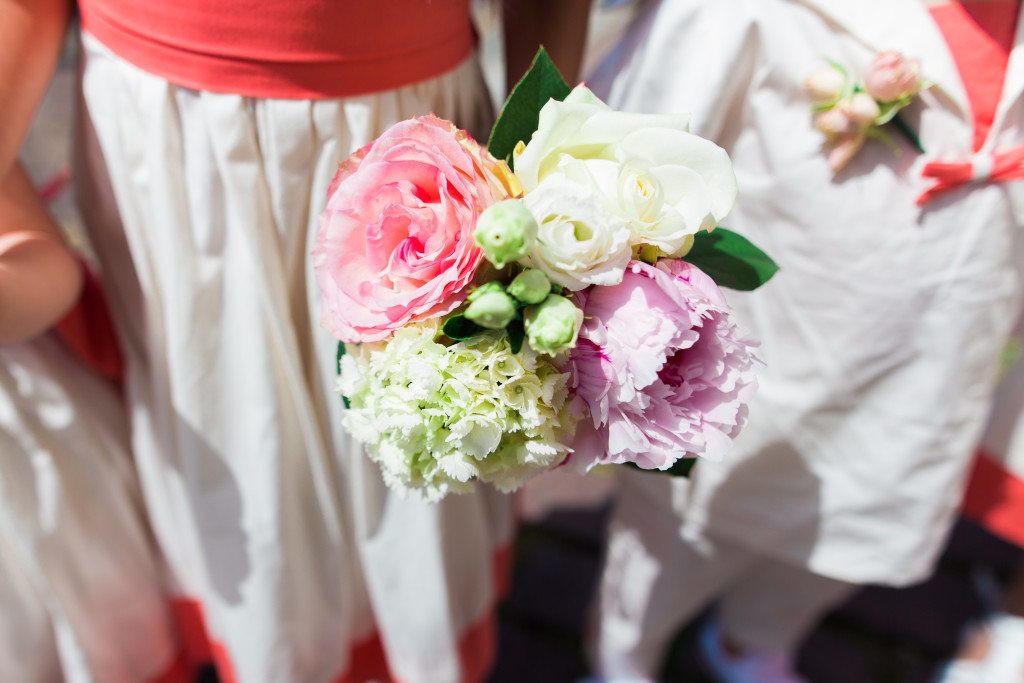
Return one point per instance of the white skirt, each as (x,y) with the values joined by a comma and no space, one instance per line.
(280,534)
(81,597)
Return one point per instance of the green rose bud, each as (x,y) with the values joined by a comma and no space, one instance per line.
(530,286)
(486,288)
(492,309)
(506,232)
(552,326)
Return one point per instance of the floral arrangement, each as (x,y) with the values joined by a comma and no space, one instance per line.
(495,323)
(850,112)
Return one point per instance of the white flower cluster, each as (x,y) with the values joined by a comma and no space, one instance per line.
(605,185)
(437,417)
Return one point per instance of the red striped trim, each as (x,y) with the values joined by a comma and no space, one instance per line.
(478,649)
(88,330)
(503,565)
(195,639)
(180,671)
(368,660)
(995,498)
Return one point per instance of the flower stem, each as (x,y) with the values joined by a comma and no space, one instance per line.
(908,132)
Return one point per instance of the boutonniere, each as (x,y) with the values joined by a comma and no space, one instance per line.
(850,112)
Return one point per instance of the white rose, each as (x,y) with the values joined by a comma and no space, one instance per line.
(578,243)
(825,85)
(648,169)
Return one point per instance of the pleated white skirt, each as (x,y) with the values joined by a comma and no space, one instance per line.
(282,538)
(81,583)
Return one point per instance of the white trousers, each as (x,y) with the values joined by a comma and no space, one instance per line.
(654,581)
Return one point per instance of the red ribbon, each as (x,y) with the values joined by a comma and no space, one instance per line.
(982,168)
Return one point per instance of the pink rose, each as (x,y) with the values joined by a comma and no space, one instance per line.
(842,150)
(395,243)
(860,108)
(845,127)
(891,77)
(835,123)
(660,368)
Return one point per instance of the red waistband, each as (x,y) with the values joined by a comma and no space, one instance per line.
(301,49)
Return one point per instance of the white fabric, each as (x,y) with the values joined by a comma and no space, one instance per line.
(652,585)
(267,512)
(81,597)
(1004,661)
(981,166)
(1003,440)
(881,330)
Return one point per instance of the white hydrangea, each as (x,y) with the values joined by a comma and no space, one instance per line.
(438,417)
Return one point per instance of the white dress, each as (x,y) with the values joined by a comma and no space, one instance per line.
(82,596)
(280,534)
(995,494)
(881,330)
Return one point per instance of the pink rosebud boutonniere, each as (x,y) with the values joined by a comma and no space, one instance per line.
(893,78)
(850,112)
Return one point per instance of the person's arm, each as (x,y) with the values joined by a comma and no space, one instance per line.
(559,25)
(32,35)
(40,279)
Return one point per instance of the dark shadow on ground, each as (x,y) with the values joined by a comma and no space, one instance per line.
(882,635)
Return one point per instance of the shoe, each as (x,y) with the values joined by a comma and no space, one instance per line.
(751,667)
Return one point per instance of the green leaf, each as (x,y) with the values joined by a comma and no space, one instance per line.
(520,115)
(908,132)
(731,260)
(459,327)
(516,334)
(887,110)
(337,360)
(337,367)
(681,468)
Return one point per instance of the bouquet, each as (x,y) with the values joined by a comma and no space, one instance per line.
(552,298)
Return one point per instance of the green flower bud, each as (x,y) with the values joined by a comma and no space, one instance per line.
(486,288)
(492,309)
(531,286)
(506,232)
(552,326)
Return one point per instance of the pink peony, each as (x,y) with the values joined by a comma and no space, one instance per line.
(395,243)
(661,368)
(892,77)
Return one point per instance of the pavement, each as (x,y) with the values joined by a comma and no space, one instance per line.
(881,635)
